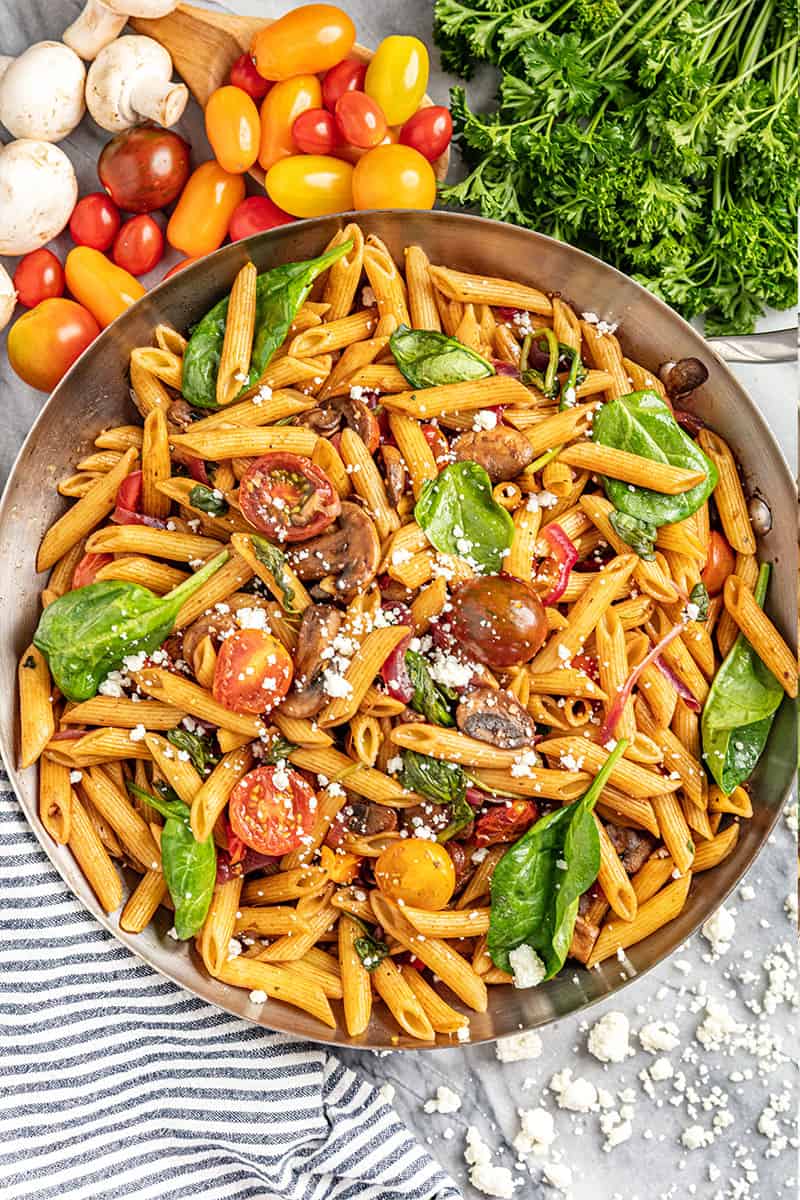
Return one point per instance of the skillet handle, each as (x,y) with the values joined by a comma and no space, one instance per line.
(780,345)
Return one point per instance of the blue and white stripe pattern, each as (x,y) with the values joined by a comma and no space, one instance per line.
(114,1082)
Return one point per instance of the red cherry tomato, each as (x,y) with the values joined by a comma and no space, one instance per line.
(254,215)
(720,563)
(87,568)
(243,74)
(429,131)
(346,76)
(272,815)
(44,343)
(252,673)
(505,822)
(360,120)
(314,131)
(94,222)
(39,276)
(139,245)
(286,496)
(498,620)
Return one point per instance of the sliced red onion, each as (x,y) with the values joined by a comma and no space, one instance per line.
(624,694)
(505,368)
(689,698)
(394,672)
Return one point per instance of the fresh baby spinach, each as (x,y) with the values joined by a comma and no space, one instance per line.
(430,359)
(460,516)
(430,698)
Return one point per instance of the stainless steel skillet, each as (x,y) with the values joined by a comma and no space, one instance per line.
(95,394)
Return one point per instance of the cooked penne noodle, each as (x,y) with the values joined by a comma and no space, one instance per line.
(483,289)
(141,539)
(93,858)
(661,908)
(209,801)
(415,450)
(55,799)
(37,724)
(278,984)
(401,1001)
(427,403)
(675,832)
(356,985)
(613,878)
(89,511)
(341,278)
(334,335)
(388,286)
(126,714)
(630,468)
(604,353)
(143,902)
(421,298)
(123,818)
(728,494)
(237,344)
(246,441)
(156,465)
(761,634)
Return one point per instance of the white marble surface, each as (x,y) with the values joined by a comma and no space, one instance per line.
(652,1164)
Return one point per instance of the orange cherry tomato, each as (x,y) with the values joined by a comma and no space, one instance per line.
(360,120)
(272,809)
(720,563)
(397,77)
(393,177)
(233,128)
(311,185)
(45,341)
(281,108)
(252,673)
(183,262)
(87,568)
(100,285)
(307,40)
(200,221)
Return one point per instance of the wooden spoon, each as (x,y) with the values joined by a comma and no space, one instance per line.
(204,45)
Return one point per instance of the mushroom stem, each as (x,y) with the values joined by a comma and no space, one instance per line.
(94,29)
(8,297)
(159,100)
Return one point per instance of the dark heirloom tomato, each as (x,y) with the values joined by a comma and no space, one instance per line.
(287,497)
(253,672)
(498,620)
(144,168)
(720,563)
(505,823)
(272,809)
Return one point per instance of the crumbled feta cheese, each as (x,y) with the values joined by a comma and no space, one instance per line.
(578,1095)
(484,418)
(75,776)
(252,618)
(445,1101)
(519,1047)
(527,968)
(537,1132)
(658,1036)
(234,948)
(387,1092)
(608,1038)
(395,765)
(558,1175)
(719,930)
(138,733)
(257,996)
(484,1175)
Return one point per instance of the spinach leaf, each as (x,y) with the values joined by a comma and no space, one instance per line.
(189,866)
(279,294)
(739,709)
(203,497)
(443,782)
(275,561)
(459,515)
(640,536)
(430,359)
(430,698)
(462,814)
(87,632)
(643,424)
(278,750)
(538,882)
(200,747)
(700,598)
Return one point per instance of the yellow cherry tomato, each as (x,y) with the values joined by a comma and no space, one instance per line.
(393,177)
(305,41)
(100,285)
(397,77)
(416,871)
(281,108)
(311,185)
(233,128)
(203,213)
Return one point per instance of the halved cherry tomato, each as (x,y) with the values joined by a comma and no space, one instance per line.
(505,822)
(438,444)
(233,128)
(272,809)
(243,74)
(720,563)
(44,342)
(253,672)
(87,568)
(39,276)
(281,108)
(287,497)
(416,871)
(307,40)
(94,222)
(346,76)
(314,132)
(394,177)
(202,216)
(339,865)
(397,77)
(139,245)
(311,185)
(429,131)
(100,285)
(360,120)
(254,215)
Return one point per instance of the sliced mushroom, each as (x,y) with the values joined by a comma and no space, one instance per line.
(502,452)
(493,715)
(683,376)
(366,819)
(324,420)
(358,417)
(180,414)
(395,471)
(632,845)
(318,628)
(351,552)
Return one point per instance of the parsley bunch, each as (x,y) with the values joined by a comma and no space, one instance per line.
(661,138)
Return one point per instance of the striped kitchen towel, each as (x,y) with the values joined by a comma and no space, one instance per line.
(114,1082)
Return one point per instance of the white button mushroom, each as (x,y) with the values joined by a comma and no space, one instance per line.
(38,190)
(41,92)
(131,80)
(103,20)
(8,297)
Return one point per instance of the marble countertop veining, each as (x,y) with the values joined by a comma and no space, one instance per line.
(754,1068)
